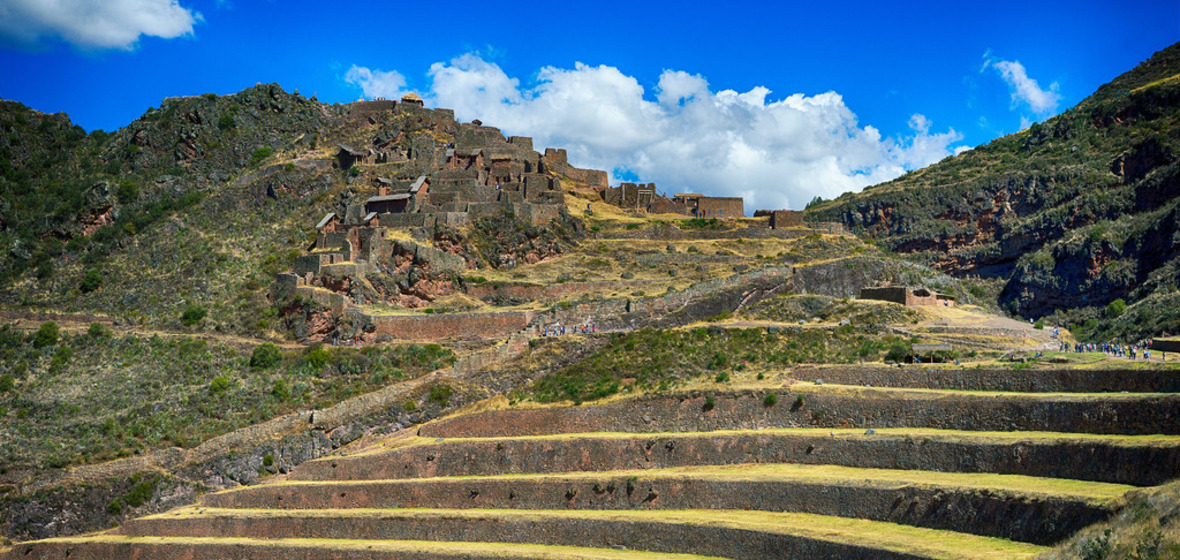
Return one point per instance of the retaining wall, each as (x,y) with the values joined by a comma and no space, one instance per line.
(1143,465)
(682,412)
(1029,518)
(450,326)
(1023,381)
(654,536)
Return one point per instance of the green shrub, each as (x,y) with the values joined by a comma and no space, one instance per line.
(192,315)
(127,191)
(226,122)
(898,352)
(1039,325)
(61,358)
(261,154)
(1097,548)
(316,356)
(722,377)
(7,383)
(280,390)
(268,460)
(770,400)
(709,403)
(141,492)
(265,356)
(115,507)
(441,394)
(409,405)
(1116,308)
(98,331)
(91,281)
(220,384)
(46,335)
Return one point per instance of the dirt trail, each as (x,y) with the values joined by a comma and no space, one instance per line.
(79,323)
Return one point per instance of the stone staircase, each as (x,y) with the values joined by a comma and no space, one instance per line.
(941,464)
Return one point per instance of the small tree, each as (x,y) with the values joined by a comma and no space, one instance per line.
(1116,308)
(92,281)
(98,331)
(266,356)
(46,335)
(192,315)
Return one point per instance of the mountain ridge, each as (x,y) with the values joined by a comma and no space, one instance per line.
(1070,214)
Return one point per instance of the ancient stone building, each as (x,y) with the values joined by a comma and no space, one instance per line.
(782,219)
(413,99)
(720,207)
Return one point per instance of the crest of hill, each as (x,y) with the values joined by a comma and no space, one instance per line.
(199,201)
(1071,214)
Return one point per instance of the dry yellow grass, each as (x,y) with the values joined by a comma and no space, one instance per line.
(959,436)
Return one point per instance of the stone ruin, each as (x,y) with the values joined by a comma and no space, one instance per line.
(424,181)
(907,296)
(645,197)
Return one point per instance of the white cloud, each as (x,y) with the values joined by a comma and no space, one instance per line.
(376,83)
(776,153)
(94,23)
(1024,89)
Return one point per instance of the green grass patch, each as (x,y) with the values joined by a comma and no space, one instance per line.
(656,359)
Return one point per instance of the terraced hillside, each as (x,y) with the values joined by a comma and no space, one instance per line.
(940,464)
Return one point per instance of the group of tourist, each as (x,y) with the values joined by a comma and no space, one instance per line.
(1132,351)
(576,329)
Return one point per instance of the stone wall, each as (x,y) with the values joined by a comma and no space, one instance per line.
(1110,414)
(449,326)
(909,297)
(1031,518)
(718,540)
(780,219)
(720,207)
(1080,459)
(331,300)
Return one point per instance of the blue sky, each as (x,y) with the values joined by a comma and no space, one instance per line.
(778,102)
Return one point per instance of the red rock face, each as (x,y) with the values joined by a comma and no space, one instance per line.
(96,220)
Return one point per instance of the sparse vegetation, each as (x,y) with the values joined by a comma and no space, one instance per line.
(650,359)
(166,392)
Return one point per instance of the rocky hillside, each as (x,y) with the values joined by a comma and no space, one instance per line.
(200,202)
(1072,214)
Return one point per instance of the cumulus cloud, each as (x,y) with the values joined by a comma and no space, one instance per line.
(1024,89)
(375,83)
(776,153)
(94,23)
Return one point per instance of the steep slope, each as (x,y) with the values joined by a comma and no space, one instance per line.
(1072,213)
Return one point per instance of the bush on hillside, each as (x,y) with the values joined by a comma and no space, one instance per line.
(192,315)
(1116,308)
(265,356)
(47,335)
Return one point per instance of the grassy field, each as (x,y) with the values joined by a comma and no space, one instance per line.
(650,359)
